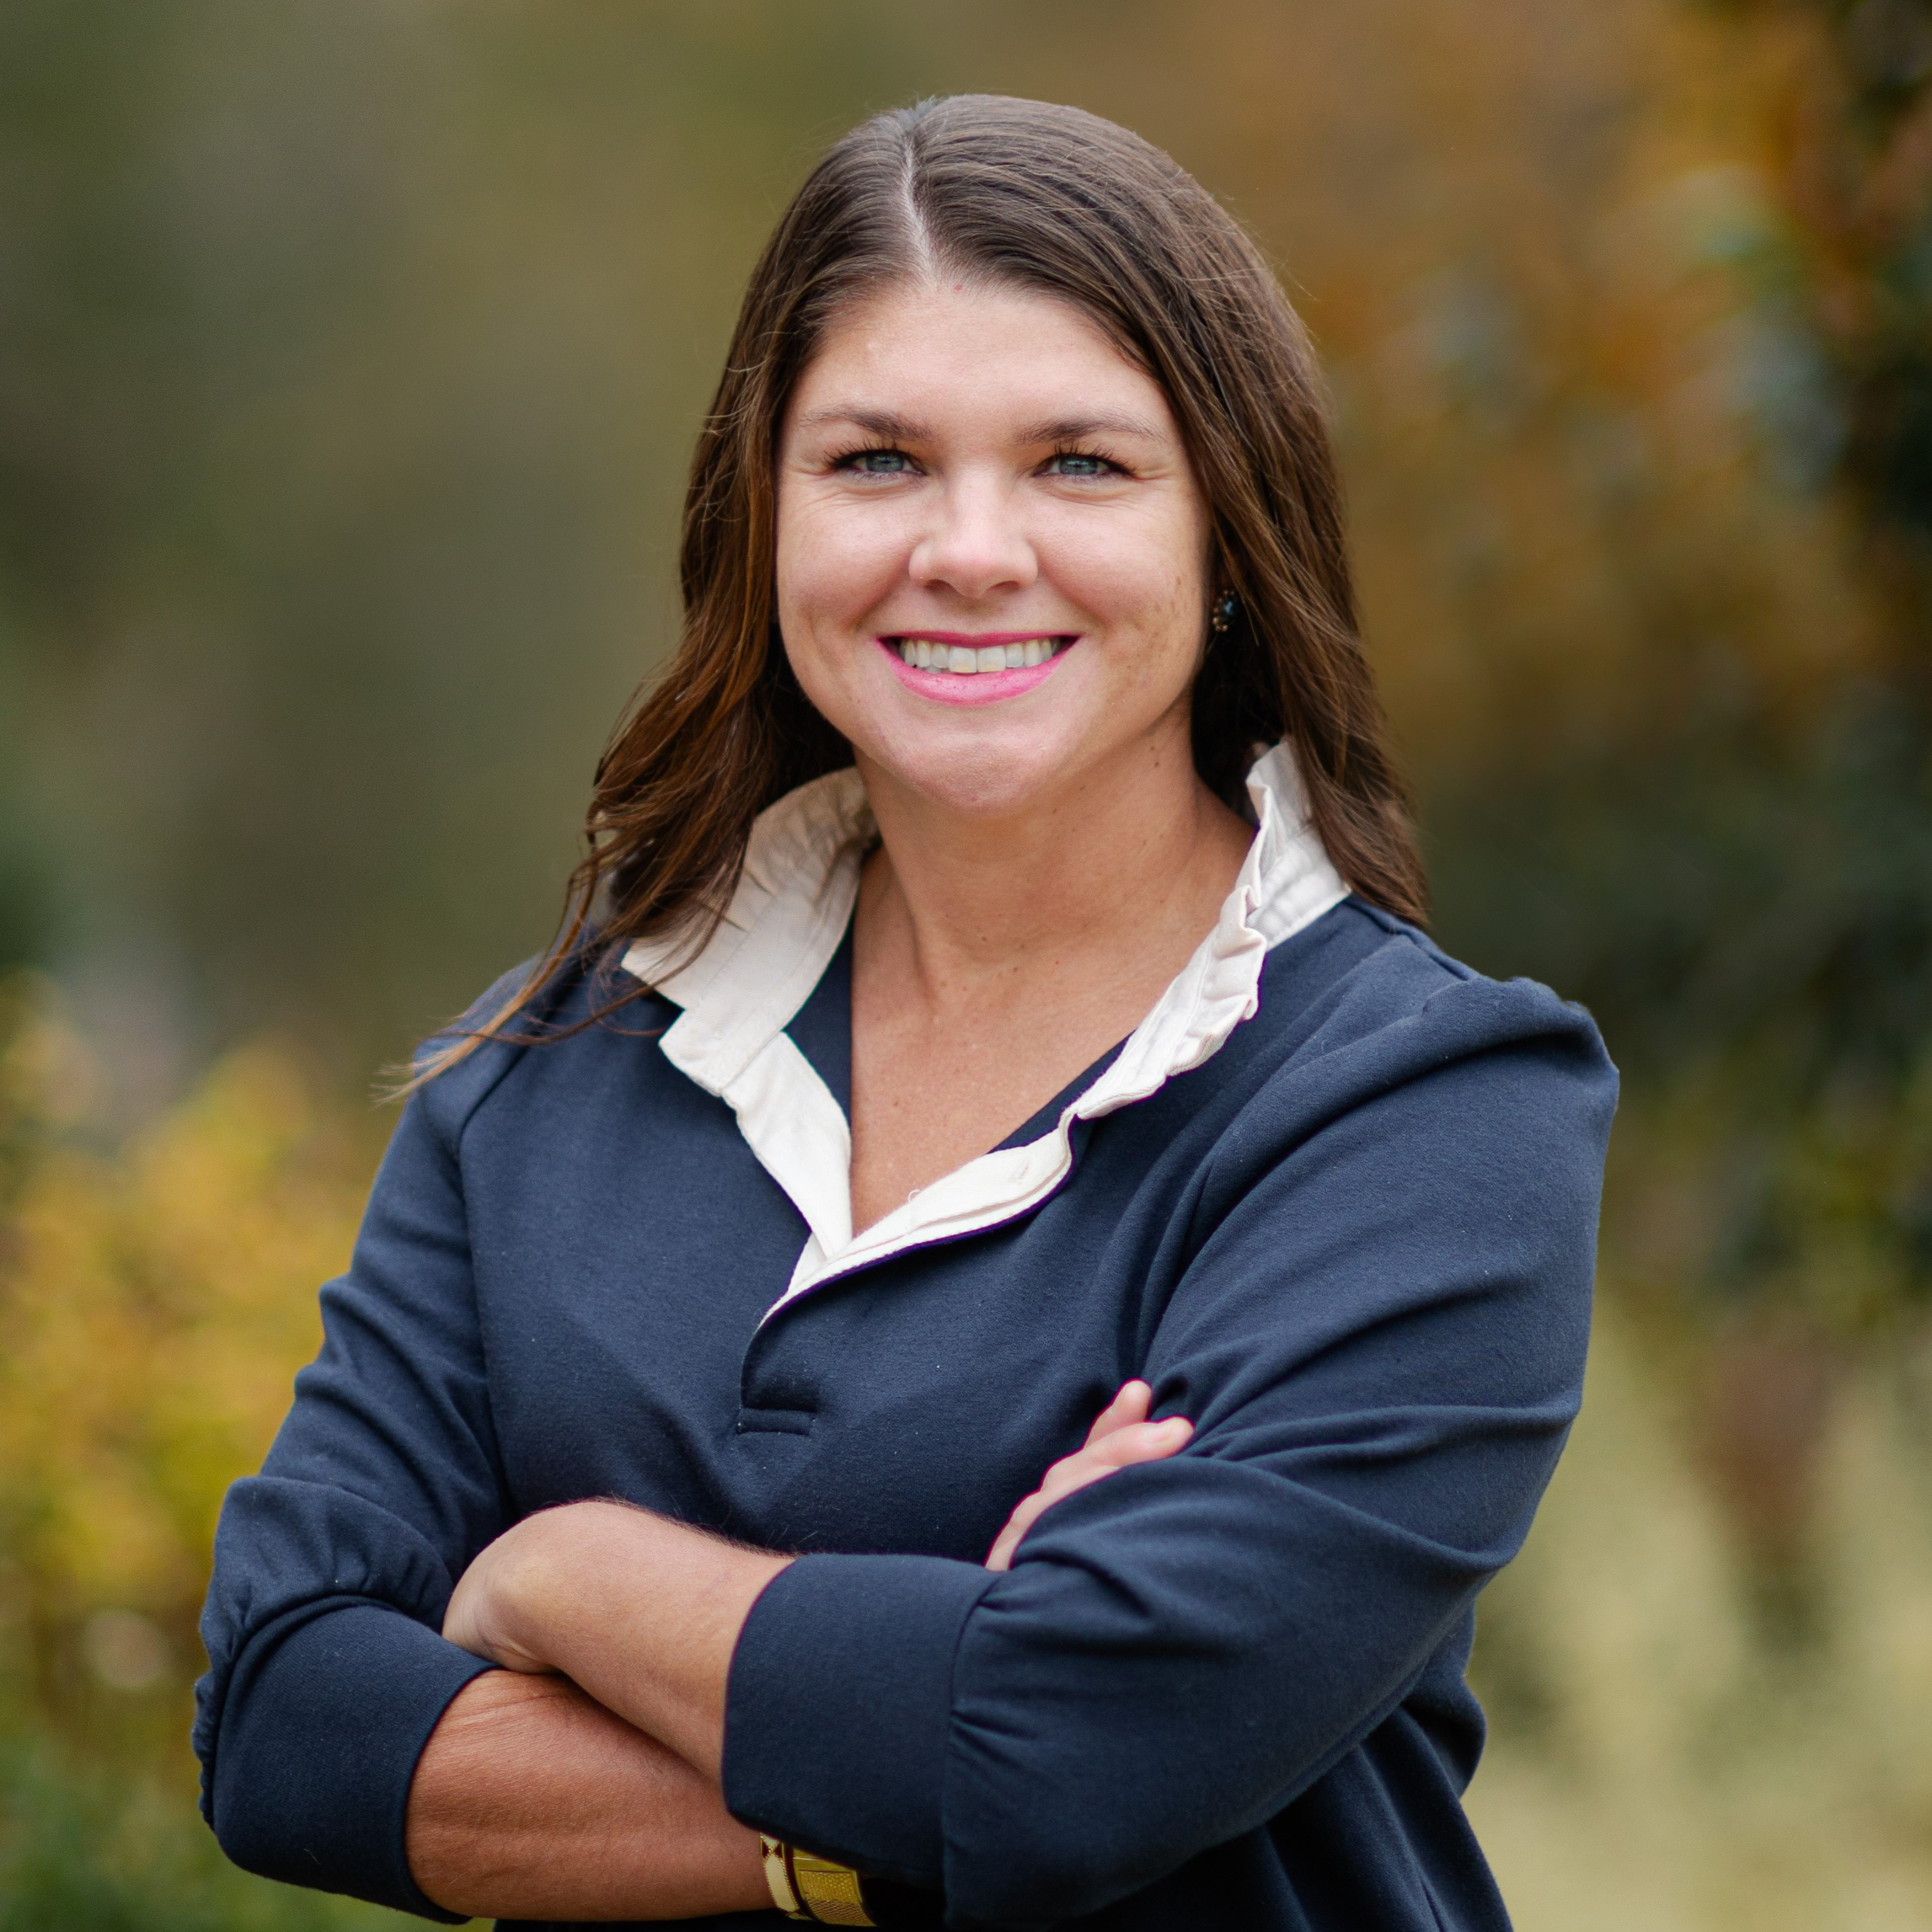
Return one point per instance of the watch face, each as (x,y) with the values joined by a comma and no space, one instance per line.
(830,1893)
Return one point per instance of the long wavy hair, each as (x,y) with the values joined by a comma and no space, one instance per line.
(1047,199)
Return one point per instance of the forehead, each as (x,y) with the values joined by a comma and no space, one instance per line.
(940,351)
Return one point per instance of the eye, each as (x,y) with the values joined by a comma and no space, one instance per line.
(878,463)
(1079,464)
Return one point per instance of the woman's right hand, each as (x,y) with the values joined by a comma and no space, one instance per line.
(1121,1435)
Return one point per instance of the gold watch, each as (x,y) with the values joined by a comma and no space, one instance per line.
(805,1886)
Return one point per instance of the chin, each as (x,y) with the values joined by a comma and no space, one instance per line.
(978,781)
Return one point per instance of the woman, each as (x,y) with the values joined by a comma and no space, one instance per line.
(968,1029)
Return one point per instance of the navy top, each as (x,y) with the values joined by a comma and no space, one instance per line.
(1224,1691)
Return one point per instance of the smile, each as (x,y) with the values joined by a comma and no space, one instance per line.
(974,667)
(969,660)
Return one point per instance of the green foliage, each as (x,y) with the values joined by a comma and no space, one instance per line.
(81,1853)
(1728,892)
(154,1305)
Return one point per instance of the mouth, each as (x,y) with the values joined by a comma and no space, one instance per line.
(974,667)
(961,656)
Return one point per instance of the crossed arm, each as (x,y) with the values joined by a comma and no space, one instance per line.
(582,1781)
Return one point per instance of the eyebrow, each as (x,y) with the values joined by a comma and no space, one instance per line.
(881,423)
(893,428)
(1071,429)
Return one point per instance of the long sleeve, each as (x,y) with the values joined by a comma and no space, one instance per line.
(333,1567)
(1377,1324)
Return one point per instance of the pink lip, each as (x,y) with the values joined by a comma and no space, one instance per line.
(986,687)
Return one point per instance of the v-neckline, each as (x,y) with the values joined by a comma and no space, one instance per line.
(821,1029)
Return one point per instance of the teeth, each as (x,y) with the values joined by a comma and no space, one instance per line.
(966,659)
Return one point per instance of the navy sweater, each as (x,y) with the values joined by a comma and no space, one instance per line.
(1224,1691)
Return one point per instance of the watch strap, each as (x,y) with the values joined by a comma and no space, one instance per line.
(778,1876)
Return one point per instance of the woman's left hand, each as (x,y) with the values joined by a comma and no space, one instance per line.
(1121,1435)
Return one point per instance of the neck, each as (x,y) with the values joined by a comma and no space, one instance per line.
(1139,849)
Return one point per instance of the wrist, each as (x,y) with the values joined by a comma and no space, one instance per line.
(645,1613)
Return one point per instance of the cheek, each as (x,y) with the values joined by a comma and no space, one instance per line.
(832,568)
(1146,581)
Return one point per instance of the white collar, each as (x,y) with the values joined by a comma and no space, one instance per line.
(786,920)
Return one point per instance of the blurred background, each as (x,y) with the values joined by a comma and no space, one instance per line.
(350,354)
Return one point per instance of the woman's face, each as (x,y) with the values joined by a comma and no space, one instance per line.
(973,476)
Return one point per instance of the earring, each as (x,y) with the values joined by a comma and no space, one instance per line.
(1224,607)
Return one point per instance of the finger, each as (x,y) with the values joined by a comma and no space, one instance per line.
(1130,1404)
(1000,1556)
(1143,1442)
(1128,1441)
(1139,1442)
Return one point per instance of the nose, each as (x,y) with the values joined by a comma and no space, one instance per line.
(977,545)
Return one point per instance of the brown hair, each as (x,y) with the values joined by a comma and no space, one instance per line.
(1044,198)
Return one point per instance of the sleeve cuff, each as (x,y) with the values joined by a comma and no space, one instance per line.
(325,1722)
(839,1707)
